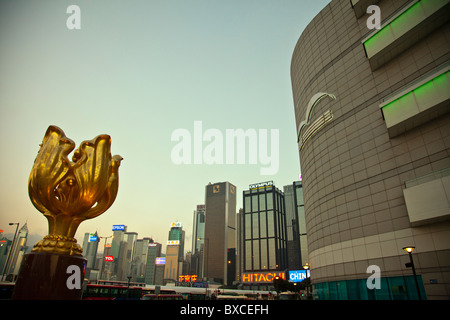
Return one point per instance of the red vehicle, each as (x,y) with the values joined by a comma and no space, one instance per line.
(112,292)
(163,297)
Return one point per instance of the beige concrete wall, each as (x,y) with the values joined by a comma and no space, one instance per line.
(353,172)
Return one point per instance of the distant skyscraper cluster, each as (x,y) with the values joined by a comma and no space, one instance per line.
(127,258)
(264,236)
(11,253)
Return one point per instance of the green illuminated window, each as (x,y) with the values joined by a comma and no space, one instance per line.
(382,45)
(405,111)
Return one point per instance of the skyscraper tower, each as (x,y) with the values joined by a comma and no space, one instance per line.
(154,251)
(220,230)
(177,233)
(198,241)
(116,245)
(295,226)
(118,237)
(264,222)
(198,234)
(19,249)
(90,247)
(174,252)
(140,259)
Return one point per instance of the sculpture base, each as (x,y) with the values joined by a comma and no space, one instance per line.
(47,276)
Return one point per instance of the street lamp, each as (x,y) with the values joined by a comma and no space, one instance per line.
(5,269)
(410,250)
(306,267)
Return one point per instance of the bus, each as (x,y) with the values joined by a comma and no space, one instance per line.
(162,297)
(231,297)
(188,293)
(120,283)
(288,296)
(112,292)
(194,293)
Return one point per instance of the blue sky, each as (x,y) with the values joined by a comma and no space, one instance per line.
(138,71)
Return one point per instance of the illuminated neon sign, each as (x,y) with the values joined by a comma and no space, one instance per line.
(260,185)
(160,260)
(176,225)
(109,258)
(298,275)
(261,277)
(118,227)
(187,278)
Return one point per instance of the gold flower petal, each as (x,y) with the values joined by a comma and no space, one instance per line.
(49,168)
(91,170)
(110,194)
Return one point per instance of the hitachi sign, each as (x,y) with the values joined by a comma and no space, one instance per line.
(261,277)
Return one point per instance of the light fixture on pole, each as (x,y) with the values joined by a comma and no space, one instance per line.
(306,267)
(410,249)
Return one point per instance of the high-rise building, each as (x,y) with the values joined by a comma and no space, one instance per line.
(198,241)
(264,234)
(139,261)
(90,247)
(240,243)
(154,251)
(171,270)
(116,245)
(128,254)
(160,263)
(198,234)
(373,129)
(118,250)
(295,226)
(107,265)
(177,233)
(18,250)
(5,246)
(174,253)
(85,242)
(118,237)
(220,230)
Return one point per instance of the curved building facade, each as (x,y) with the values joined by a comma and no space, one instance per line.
(373,123)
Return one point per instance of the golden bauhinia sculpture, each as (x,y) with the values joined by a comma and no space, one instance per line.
(69,192)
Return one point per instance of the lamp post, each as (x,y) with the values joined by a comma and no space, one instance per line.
(5,269)
(306,267)
(410,250)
